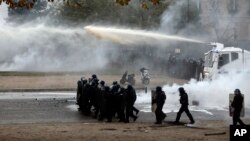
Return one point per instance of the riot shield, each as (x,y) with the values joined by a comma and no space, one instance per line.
(153,101)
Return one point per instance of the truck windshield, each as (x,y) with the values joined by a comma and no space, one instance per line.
(223,60)
(234,56)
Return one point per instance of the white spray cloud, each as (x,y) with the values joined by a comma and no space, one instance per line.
(3,13)
(212,27)
(212,94)
(43,48)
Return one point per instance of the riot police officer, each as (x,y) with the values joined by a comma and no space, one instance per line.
(184,106)
(160,101)
(130,101)
(237,105)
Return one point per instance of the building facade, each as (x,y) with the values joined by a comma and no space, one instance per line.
(228,20)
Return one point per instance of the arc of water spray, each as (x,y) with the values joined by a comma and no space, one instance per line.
(129,36)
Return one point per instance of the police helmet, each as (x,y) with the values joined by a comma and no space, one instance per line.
(94,76)
(129,87)
(237,91)
(102,82)
(181,90)
(115,83)
(158,89)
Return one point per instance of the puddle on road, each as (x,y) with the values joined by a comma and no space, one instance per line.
(72,107)
(36,95)
(143,101)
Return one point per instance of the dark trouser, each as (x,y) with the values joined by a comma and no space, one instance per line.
(184,108)
(109,111)
(84,105)
(97,110)
(136,110)
(120,112)
(129,112)
(159,113)
(236,118)
(102,111)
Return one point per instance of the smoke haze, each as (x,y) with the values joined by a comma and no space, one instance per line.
(38,46)
(212,95)
(43,48)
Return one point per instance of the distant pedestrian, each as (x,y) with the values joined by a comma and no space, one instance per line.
(160,101)
(184,106)
(237,105)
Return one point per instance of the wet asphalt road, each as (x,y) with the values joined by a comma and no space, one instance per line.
(38,108)
(61,107)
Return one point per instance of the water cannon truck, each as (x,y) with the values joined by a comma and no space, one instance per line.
(222,60)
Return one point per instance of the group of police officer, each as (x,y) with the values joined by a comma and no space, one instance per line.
(104,102)
(160,101)
(94,97)
(186,68)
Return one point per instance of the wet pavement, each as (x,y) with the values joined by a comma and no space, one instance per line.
(47,107)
